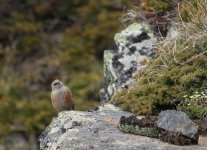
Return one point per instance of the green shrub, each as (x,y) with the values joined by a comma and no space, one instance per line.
(195,105)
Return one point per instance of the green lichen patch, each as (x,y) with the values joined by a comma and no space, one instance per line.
(135,28)
(150,132)
(145,126)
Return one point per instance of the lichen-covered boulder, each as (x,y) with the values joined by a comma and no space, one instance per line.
(97,130)
(135,46)
(177,128)
(84,130)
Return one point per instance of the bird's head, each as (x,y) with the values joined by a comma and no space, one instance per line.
(56,84)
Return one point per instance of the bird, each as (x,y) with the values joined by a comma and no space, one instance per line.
(61,96)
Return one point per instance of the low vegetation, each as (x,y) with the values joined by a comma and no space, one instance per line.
(179,68)
(194,105)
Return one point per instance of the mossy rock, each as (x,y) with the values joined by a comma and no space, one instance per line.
(145,126)
(149,132)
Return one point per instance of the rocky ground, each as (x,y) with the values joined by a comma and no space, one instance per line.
(97,130)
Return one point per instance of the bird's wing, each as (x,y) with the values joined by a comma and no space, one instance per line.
(69,99)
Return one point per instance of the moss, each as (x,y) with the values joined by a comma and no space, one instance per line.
(150,132)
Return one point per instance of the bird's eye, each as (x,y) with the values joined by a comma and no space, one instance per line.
(55,84)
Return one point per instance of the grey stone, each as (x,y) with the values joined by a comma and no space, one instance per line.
(134,48)
(177,123)
(172,33)
(98,131)
(16,140)
(103,95)
(2,147)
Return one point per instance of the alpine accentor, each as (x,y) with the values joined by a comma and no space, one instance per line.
(61,96)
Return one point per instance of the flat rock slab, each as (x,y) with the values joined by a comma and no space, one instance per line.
(75,130)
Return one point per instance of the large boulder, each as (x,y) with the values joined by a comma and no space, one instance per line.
(83,130)
(135,46)
(177,128)
(97,130)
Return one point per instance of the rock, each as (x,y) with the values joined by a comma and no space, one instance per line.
(172,33)
(2,147)
(135,46)
(16,141)
(177,128)
(98,130)
(202,123)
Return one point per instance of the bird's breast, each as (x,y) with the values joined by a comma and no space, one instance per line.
(57,98)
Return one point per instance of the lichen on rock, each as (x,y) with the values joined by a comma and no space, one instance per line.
(134,48)
(144,126)
(150,132)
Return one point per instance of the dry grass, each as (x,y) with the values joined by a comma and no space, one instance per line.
(188,33)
